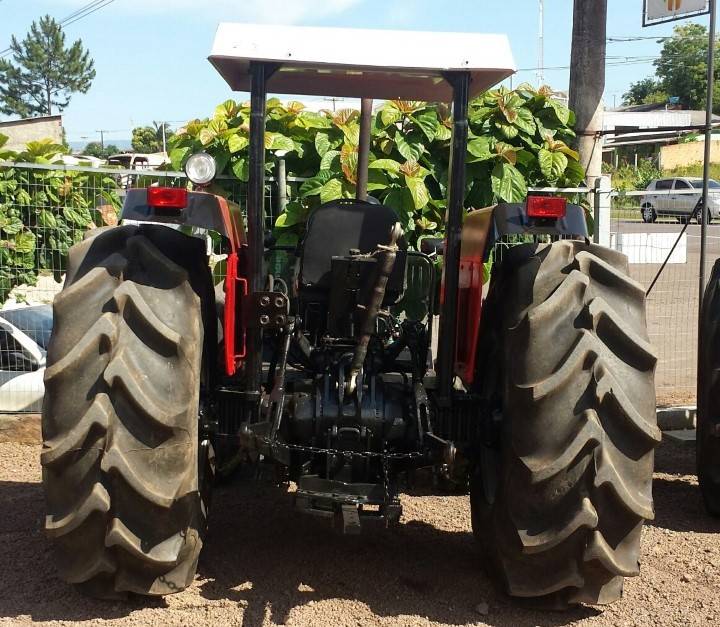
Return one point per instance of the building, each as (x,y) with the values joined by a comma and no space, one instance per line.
(656,131)
(20,132)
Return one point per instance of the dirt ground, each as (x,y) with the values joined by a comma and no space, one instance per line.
(264,564)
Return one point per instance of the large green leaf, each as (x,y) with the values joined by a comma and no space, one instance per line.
(326,163)
(418,191)
(236,143)
(178,157)
(332,190)
(312,186)
(78,216)
(479,149)
(508,183)
(388,165)
(525,121)
(294,214)
(278,141)
(322,143)
(508,130)
(552,164)
(10,225)
(411,149)
(310,119)
(562,113)
(241,169)
(427,122)
(25,242)
(377,180)
(47,219)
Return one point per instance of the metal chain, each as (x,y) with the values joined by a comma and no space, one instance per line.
(384,457)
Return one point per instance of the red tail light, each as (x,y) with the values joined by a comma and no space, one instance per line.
(167,197)
(546,207)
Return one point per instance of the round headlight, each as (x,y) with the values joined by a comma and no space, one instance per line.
(201,168)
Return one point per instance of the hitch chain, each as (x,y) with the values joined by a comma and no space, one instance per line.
(384,457)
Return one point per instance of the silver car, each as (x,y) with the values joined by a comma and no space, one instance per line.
(24,337)
(677,198)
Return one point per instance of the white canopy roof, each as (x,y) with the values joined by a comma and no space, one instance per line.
(347,62)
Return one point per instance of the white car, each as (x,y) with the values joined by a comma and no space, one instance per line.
(677,198)
(24,337)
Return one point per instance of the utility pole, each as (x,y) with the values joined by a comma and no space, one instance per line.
(541,46)
(102,139)
(587,82)
(703,217)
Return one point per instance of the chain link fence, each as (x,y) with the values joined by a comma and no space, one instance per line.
(659,230)
(45,209)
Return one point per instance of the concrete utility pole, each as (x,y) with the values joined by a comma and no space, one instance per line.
(541,46)
(587,81)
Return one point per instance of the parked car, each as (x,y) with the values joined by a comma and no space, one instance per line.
(82,160)
(677,198)
(24,337)
(139,161)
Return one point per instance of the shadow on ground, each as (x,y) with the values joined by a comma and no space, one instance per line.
(269,559)
(266,558)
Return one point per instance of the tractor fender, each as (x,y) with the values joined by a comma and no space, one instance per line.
(204,210)
(512,219)
(481,229)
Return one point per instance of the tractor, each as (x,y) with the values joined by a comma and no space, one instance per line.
(535,391)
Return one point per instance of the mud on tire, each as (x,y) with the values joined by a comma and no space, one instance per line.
(558,504)
(120,417)
(708,417)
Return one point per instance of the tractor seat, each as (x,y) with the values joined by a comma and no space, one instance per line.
(339,227)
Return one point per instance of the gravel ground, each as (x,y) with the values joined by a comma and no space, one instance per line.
(264,564)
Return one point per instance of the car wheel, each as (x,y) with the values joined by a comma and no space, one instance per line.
(648,213)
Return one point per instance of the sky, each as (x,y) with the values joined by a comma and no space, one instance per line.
(151,55)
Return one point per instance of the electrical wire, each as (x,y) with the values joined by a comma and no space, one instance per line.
(75,16)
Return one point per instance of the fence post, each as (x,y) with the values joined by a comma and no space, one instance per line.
(601,210)
(281,186)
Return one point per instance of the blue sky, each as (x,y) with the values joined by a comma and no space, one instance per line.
(150,55)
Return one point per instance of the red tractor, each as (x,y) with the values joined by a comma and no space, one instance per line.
(540,394)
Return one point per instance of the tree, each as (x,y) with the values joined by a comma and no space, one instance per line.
(682,66)
(646,91)
(150,138)
(43,73)
(95,149)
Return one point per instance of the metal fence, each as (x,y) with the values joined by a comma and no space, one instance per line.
(654,228)
(45,209)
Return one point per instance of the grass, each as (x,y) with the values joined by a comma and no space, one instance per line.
(695,169)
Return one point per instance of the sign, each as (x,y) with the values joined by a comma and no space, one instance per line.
(650,247)
(660,11)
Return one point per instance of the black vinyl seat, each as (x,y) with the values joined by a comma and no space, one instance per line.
(336,228)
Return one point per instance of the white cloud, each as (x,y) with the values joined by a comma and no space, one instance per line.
(262,11)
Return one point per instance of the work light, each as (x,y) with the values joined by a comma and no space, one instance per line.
(201,168)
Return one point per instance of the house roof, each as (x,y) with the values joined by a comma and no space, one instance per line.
(360,63)
(35,120)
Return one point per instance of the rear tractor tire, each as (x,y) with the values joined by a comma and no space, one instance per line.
(126,481)
(708,416)
(559,498)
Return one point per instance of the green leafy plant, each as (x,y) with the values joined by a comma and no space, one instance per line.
(44,212)
(518,139)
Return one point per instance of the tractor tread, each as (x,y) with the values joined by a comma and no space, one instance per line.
(579,406)
(708,396)
(127,340)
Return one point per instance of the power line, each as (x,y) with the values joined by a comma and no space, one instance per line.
(75,16)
